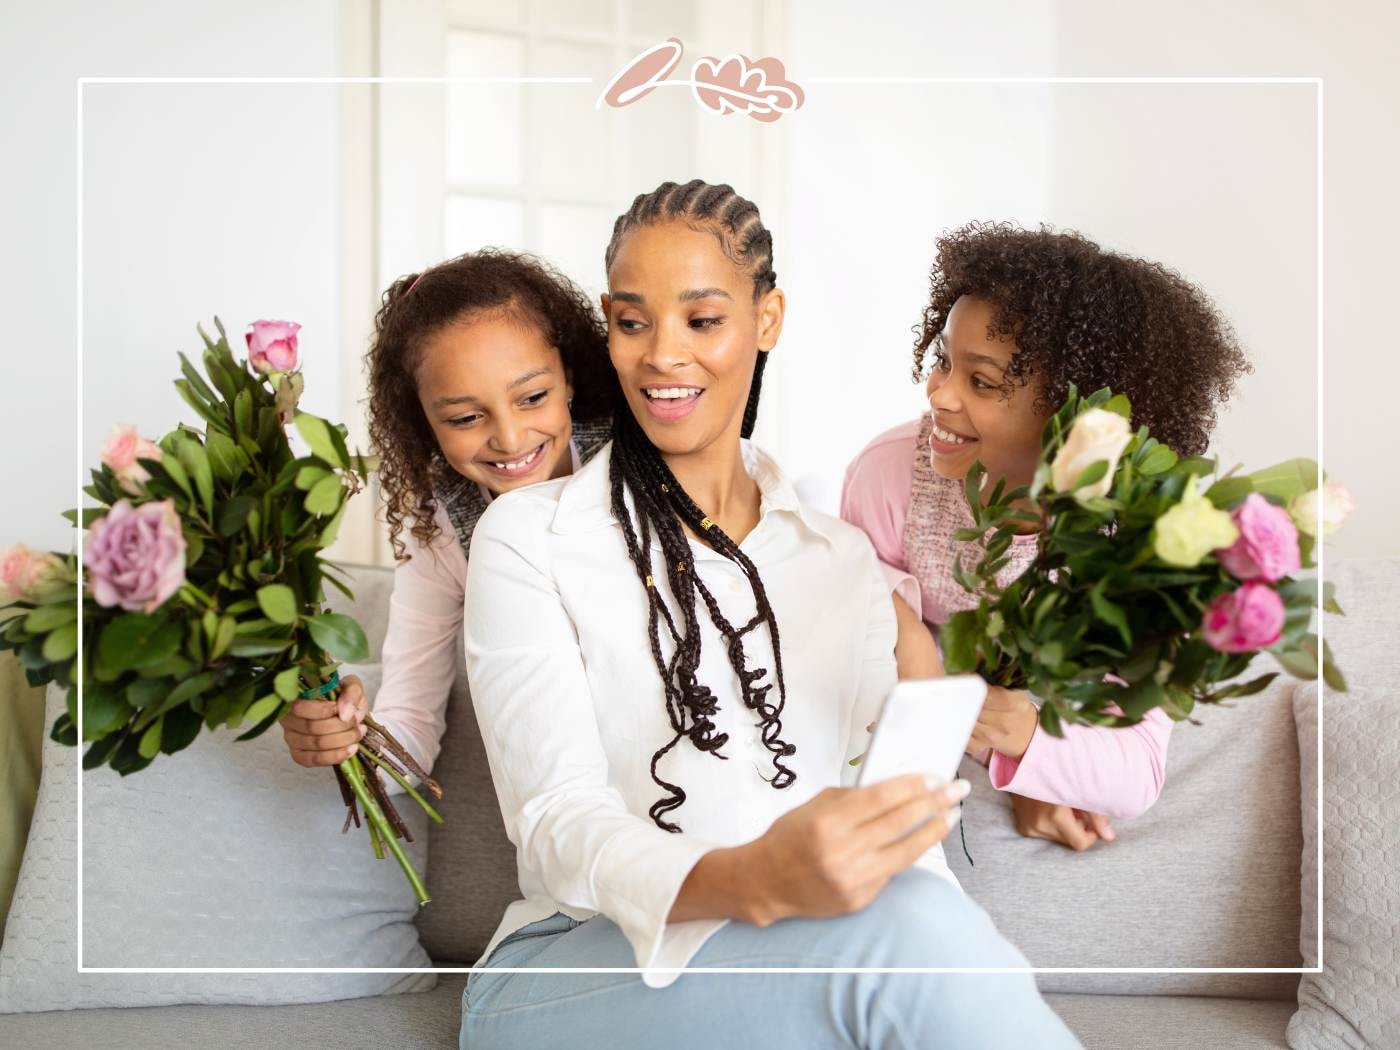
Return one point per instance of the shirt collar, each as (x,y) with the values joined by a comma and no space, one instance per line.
(586,500)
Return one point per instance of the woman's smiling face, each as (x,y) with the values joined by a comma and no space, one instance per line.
(976,415)
(684,334)
(494,391)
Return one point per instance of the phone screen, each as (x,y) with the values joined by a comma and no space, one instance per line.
(924,728)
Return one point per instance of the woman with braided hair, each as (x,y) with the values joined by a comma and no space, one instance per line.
(672,663)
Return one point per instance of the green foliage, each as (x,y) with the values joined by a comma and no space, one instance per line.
(247,632)
(1097,627)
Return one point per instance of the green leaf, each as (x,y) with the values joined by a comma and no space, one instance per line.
(308,475)
(226,458)
(103,710)
(1302,661)
(1119,405)
(972,489)
(1140,697)
(243,415)
(181,727)
(1093,472)
(233,515)
(278,603)
(258,646)
(1331,673)
(316,432)
(288,683)
(263,713)
(223,637)
(1110,614)
(1160,460)
(325,496)
(340,636)
(46,617)
(61,643)
(101,750)
(137,640)
(1286,480)
(150,740)
(958,640)
(332,529)
(171,465)
(196,462)
(1253,686)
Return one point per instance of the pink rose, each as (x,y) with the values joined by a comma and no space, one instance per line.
(120,452)
(1267,548)
(135,556)
(1244,620)
(24,571)
(272,346)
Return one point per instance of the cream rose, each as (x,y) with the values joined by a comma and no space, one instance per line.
(1096,435)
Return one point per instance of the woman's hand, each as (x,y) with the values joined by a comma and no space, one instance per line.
(326,732)
(834,854)
(1076,828)
(1006,723)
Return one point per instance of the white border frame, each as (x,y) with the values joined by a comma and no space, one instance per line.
(1317,82)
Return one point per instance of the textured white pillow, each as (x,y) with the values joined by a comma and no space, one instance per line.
(1355,1001)
(224,855)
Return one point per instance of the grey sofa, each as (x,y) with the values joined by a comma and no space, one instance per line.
(1209,877)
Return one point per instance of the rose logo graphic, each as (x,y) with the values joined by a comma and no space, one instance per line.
(733,84)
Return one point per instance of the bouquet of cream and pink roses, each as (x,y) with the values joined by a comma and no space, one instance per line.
(202,604)
(1156,580)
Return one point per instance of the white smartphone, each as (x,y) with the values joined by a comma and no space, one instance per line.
(924,728)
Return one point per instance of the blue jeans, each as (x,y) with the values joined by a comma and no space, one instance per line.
(919,921)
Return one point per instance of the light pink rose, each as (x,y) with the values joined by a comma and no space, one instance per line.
(1267,548)
(272,346)
(135,556)
(24,571)
(120,452)
(1244,620)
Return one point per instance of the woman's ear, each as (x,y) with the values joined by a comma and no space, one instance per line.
(604,302)
(770,318)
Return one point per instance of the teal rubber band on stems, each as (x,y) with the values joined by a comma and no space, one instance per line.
(323,689)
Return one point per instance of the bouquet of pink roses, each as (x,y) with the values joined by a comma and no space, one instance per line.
(204,583)
(1148,588)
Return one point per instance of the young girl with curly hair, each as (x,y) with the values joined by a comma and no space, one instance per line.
(1014,317)
(487,373)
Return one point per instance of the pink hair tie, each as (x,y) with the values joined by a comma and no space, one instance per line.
(415,283)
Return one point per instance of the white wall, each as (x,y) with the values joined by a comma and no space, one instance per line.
(178,204)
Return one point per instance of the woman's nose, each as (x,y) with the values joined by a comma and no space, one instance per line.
(942,393)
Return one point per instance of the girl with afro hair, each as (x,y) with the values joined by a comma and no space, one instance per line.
(1014,317)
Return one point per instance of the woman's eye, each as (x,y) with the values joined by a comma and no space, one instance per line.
(706,322)
(628,324)
(464,421)
(536,398)
(981,384)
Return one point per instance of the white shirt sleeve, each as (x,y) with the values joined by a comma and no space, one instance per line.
(878,672)
(536,713)
(420,647)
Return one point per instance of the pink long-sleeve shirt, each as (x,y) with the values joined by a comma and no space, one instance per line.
(1118,772)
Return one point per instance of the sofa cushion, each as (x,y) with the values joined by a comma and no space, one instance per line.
(1356,999)
(1172,1022)
(224,855)
(1205,878)
(390,1022)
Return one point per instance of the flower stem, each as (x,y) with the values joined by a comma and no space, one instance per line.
(355,775)
(434,814)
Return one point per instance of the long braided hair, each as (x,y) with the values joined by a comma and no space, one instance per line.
(662,507)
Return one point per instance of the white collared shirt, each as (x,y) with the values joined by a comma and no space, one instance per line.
(571,707)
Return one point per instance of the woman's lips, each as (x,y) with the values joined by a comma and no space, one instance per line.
(517,468)
(671,403)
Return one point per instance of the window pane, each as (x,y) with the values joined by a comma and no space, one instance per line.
(483,121)
(470,223)
(573,239)
(489,12)
(660,19)
(574,14)
(571,143)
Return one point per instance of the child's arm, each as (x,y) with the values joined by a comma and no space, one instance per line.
(1118,772)
(915,652)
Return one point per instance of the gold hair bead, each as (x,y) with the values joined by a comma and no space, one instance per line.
(650,582)
(680,566)
(664,488)
(706,523)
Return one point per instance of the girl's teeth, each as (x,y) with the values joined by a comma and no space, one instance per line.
(673,392)
(518,463)
(951,438)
